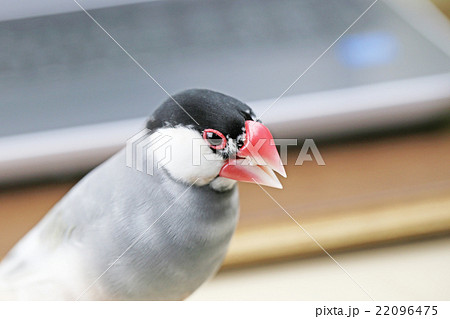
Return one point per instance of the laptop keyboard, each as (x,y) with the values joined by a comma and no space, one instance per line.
(163,26)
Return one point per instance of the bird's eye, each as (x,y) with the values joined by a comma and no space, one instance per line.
(215,139)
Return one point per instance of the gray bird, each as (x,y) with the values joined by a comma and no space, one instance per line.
(125,234)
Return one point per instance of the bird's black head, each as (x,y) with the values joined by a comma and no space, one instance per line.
(226,129)
(200,109)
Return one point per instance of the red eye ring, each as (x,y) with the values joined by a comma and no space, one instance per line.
(207,138)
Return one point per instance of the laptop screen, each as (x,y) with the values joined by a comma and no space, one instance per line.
(62,70)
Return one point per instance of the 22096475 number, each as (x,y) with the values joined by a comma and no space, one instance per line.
(404,310)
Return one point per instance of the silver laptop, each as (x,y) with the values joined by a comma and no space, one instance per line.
(70,97)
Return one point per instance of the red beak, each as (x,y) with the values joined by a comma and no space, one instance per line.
(257,158)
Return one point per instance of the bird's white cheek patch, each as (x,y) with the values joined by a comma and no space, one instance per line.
(189,156)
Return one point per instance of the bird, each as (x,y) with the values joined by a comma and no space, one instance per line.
(124,234)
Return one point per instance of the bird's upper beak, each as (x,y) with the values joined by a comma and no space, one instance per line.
(256,159)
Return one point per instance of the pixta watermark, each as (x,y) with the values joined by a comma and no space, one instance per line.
(148,152)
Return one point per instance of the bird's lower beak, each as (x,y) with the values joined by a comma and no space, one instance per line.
(257,158)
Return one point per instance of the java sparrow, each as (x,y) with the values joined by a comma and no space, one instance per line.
(122,234)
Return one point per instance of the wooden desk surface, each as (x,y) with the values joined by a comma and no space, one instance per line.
(394,188)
